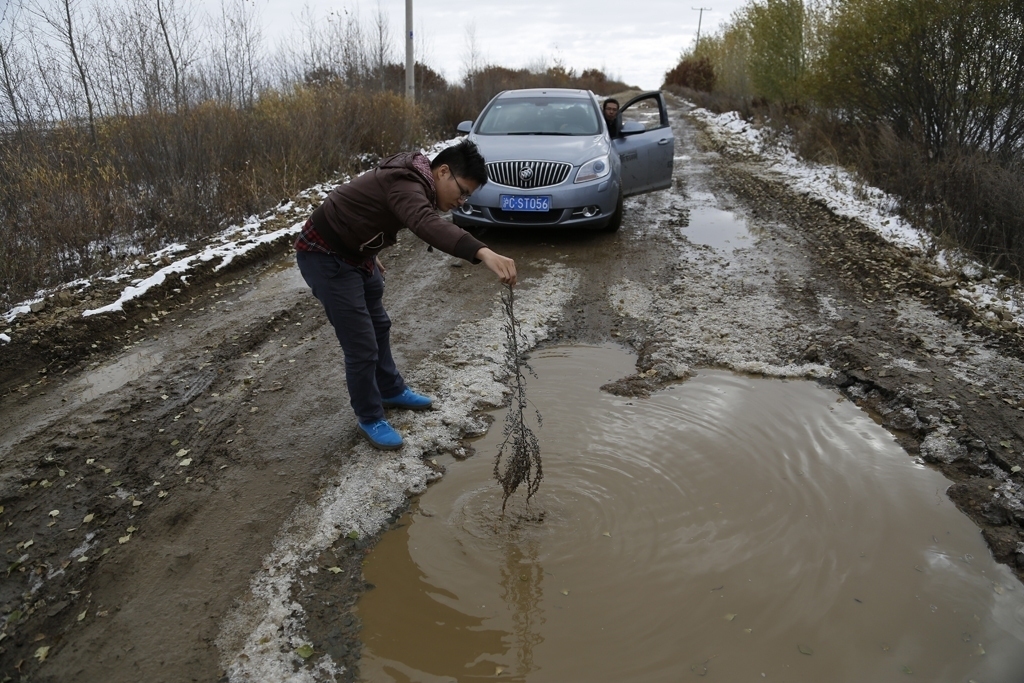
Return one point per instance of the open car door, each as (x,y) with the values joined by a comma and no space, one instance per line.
(645,145)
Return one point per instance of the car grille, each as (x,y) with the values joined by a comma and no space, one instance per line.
(538,173)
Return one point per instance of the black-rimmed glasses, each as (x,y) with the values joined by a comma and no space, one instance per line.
(464,196)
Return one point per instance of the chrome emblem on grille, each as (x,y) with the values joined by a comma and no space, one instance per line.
(526,173)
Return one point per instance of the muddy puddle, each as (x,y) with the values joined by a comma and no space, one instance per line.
(728,528)
(713,227)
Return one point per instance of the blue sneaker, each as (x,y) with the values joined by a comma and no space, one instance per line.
(381,435)
(408,399)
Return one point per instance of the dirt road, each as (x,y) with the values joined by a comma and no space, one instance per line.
(187,499)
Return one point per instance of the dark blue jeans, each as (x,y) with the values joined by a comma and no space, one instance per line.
(351,297)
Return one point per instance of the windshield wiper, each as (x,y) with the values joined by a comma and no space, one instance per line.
(539,133)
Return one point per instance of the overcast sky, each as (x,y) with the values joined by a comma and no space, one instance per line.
(635,43)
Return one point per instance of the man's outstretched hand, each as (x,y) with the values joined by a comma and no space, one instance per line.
(502,266)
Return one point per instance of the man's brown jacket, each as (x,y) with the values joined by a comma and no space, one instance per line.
(363,216)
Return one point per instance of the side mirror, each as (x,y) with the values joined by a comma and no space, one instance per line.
(632,128)
(465,127)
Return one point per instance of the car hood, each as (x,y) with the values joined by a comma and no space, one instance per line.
(576,149)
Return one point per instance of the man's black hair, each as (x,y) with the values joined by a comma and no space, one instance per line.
(610,99)
(465,161)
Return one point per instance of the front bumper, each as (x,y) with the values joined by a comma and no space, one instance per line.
(588,205)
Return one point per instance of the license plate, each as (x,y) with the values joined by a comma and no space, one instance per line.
(518,202)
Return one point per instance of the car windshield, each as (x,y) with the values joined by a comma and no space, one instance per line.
(540,116)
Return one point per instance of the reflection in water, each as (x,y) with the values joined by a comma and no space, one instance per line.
(521,591)
(415,610)
(716,228)
(726,527)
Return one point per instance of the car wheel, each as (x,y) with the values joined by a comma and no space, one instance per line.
(616,222)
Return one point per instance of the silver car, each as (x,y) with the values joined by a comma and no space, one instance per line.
(552,163)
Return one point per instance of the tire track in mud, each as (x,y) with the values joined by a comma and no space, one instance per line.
(143,460)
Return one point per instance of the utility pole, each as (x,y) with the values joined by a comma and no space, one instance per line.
(700,18)
(410,59)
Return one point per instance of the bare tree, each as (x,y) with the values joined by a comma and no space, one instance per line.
(237,55)
(11,68)
(65,23)
(382,45)
(472,59)
(126,55)
(176,24)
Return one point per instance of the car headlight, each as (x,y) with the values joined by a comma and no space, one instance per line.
(593,169)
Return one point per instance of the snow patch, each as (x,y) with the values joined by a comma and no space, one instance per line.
(940,447)
(226,252)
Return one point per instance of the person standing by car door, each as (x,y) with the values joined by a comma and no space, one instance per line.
(337,252)
(610,109)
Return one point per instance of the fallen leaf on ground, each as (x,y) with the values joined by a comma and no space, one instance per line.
(607,533)
(730,617)
(42,652)
(804,650)
(306,651)
(136,503)
(980,650)
(185,463)
(81,617)
(88,518)
(54,513)
(565,592)
(334,570)
(907,670)
(161,494)
(181,453)
(124,539)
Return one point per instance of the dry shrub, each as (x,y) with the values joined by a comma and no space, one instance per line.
(695,73)
(972,199)
(71,206)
